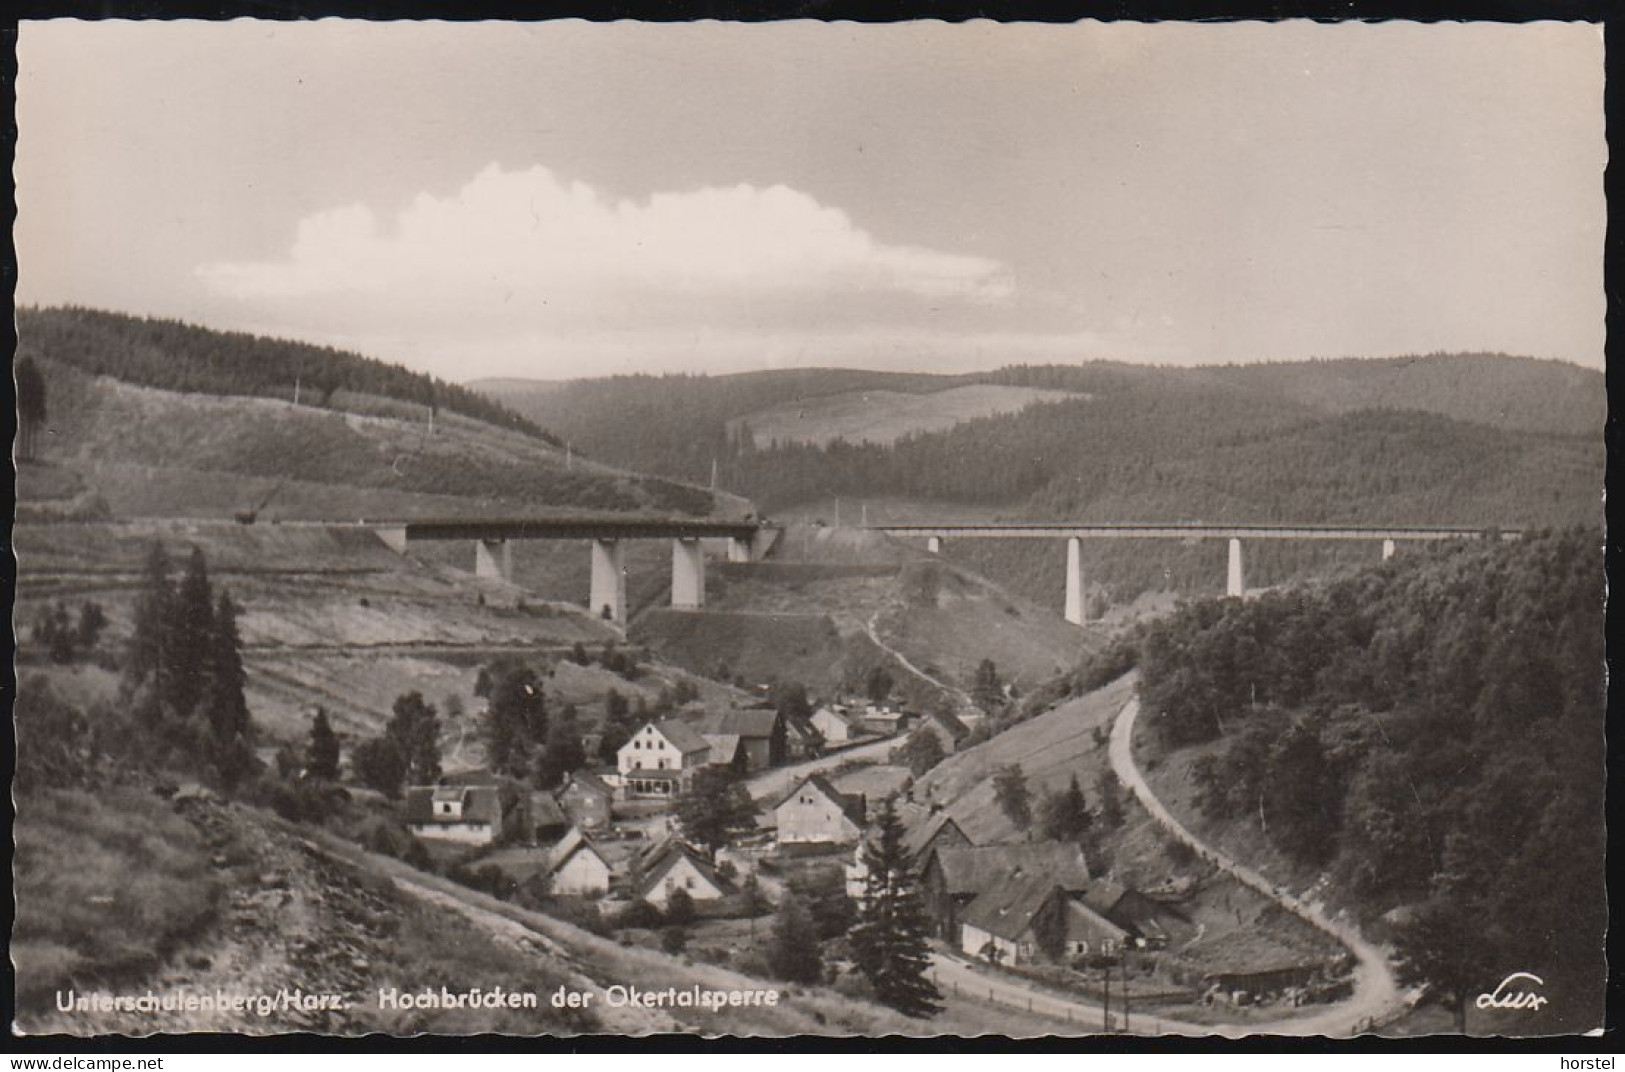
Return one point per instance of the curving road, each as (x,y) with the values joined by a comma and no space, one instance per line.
(1376,995)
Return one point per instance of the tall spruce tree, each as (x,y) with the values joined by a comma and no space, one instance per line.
(322,753)
(149,657)
(192,636)
(414,725)
(515,722)
(889,941)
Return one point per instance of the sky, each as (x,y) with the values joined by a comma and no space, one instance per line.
(569,199)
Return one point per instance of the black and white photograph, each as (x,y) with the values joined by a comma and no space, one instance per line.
(763,530)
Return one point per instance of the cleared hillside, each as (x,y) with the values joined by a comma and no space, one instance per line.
(883,416)
(152,452)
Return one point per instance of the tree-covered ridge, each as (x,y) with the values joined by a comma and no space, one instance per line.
(1429,731)
(175,356)
(679,425)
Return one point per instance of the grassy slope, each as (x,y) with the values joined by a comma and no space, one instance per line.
(149,451)
(885,416)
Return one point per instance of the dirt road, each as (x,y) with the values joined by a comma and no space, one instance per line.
(1376,996)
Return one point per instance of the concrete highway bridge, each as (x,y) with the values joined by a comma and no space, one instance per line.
(493,548)
(1235,582)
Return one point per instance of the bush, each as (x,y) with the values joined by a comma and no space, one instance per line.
(417,856)
(639,914)
(680,908)
(674,939)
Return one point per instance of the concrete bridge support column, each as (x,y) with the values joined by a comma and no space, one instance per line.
(739,550)
(394,537)
(608,580)
(493,560)
(687,575)
(1235,583)
(1075,612)
(934,544)
(1387,550)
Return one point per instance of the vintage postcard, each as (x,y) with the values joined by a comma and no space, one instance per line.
(791,529)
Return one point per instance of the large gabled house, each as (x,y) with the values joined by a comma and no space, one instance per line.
(661,758)
(1033,918)
(952,877)
(814,812)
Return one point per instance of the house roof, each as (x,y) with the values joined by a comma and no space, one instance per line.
(587,781)
(1083,923)
(573,842)
(724,746)
(481,804)
(1008,909)
(750,722)
(852,805)
(972,870)
(545,811)
(666,855)
(919,837)
(683,737)
(949,722)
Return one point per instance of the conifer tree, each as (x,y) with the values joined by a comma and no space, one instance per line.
(414,726)
(889,941)
(192,633)
(149,657)
(322,753)
(224,703)
(794,954)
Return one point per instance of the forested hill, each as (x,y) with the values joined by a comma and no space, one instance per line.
(1140,430)
(1430,733)
(175,356)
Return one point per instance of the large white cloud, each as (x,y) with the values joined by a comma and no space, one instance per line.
(533,249)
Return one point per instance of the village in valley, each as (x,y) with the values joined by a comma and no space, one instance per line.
(881,536)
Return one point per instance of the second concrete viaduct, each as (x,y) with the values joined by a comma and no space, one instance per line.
(1235,574)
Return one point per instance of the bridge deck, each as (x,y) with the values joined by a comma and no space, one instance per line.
(571,528)
(1179,530)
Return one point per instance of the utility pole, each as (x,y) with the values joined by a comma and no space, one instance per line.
(713,474)
(296,390)
(1126,1029)
(837,511)
(1106,1005)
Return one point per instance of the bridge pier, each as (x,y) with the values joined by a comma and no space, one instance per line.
(1235,583)
(934,544)
(687,574)
(608,591)
(740,550)
(1075,612)
(394,537)
(493,559)
(1387,550)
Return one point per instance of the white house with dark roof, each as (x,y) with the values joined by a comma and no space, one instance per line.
(579,868)
(816,813)
(661,758)
(471,814)
(674,866)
